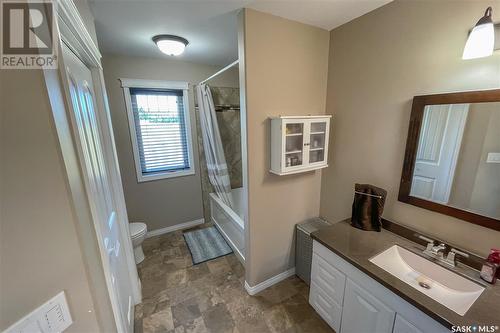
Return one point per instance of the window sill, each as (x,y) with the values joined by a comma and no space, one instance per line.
(164,175)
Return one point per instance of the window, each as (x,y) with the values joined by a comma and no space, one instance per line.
(160,130)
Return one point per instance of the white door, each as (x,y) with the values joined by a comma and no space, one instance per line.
(97,183)
(363,313)
(438,149)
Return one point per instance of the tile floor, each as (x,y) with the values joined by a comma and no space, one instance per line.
(210,297)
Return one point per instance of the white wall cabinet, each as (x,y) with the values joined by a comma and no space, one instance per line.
(299,144)
(352,302)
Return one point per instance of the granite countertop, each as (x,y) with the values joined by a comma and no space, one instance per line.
(358,246)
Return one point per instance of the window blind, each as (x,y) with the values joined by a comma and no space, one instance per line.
(160,128)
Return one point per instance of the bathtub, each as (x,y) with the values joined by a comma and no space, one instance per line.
(230,222)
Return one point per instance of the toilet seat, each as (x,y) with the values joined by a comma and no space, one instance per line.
(137,229)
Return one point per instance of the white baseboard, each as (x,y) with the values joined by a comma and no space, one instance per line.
(176,227)
(269,282)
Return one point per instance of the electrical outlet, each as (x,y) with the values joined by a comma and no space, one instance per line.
(493,158)
(51,317)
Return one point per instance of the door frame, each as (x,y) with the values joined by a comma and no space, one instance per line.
(71,32)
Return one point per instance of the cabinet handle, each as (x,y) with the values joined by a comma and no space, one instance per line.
(306,144)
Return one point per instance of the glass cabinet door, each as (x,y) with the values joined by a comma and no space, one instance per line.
(294,144)
(317,143)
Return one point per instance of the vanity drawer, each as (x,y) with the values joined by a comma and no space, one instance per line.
(324,253)
(326,277)
(326,307)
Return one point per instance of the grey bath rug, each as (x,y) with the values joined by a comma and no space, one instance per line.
(206,244)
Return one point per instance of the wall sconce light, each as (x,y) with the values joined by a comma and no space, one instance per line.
(481,41)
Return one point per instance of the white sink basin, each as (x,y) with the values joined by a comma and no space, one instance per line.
(451,290)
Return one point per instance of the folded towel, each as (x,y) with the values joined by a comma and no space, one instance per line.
(367,207)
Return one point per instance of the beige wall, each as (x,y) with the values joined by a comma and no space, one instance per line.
(286,74)
(166,202)
(378,62)
(40,253)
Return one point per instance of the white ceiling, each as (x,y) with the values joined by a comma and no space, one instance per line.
(125,27)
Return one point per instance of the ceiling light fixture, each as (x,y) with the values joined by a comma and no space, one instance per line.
(481,41)
(170,45)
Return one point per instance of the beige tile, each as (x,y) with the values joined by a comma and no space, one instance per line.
(219,266)
(278,320)
(198,271)
(179,329)
(248,314)
(176,278)
(196,326)
(158,322)
(314,325)
(279,292)
(150,308)
(185,312)
(181,262)
(210,297)
(218,319)
(298,309)
(153,286)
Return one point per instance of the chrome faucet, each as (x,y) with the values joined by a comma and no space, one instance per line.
(451,257)
(436,251)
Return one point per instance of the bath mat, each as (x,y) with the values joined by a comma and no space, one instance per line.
(206,244)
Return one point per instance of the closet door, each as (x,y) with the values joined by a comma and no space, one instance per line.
(364,313)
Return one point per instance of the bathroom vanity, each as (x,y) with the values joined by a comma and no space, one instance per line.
(353,293)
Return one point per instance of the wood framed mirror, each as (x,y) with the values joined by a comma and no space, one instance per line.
(452,158)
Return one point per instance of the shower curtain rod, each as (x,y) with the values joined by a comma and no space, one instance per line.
(220,72)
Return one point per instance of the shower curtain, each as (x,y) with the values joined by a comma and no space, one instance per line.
(212,143)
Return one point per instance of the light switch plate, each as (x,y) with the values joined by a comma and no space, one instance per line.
(51,317)
(493,158)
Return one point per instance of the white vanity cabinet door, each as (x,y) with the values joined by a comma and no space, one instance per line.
(401,325)
(416,323)
(363,313)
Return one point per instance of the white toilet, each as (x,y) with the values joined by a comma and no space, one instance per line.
(138,234)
